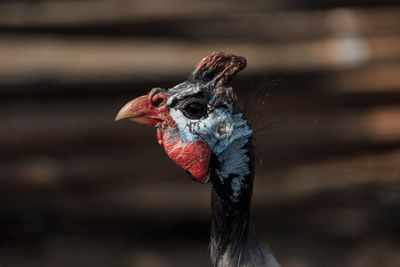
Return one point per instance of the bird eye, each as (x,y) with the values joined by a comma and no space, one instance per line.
(194,109)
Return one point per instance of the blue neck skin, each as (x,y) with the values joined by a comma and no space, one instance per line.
(231,198)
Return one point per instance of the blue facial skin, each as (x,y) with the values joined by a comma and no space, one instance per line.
(226,132)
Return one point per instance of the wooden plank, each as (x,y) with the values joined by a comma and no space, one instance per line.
(72,12)
(382,124)
(188,200)
(30,59)
(376,78)
(91,11)
(277,26)
(371,84)
(333,174)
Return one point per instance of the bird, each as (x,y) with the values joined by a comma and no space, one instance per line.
(203,129)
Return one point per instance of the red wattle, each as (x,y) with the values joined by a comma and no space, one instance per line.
(193,156)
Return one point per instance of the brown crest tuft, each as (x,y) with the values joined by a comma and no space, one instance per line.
(218,68)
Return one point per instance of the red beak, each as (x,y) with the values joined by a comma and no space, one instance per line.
(139,110)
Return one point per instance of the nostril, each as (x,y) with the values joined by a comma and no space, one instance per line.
(157,101)
(158,98)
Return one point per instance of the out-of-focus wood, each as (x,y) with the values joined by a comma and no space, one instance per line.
(29,59)
(42,13)
(189,200)
(295,183)
(377,78)
(60,12)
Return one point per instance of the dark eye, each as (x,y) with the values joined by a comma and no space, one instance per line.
(194,109)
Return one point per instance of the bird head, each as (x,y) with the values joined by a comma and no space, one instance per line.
(197,118)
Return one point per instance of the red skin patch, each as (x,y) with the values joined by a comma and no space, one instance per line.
(192,156)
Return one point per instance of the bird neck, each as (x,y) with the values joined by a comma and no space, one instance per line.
(233,242)
(232,184)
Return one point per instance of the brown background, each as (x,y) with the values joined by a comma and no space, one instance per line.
(322,89)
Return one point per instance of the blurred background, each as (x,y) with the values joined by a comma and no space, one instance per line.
(322,89)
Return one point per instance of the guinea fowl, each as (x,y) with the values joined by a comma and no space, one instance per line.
(203,130)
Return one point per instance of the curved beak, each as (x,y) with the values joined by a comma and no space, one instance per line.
(139,111)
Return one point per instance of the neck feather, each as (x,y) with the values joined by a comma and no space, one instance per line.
(233,242)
